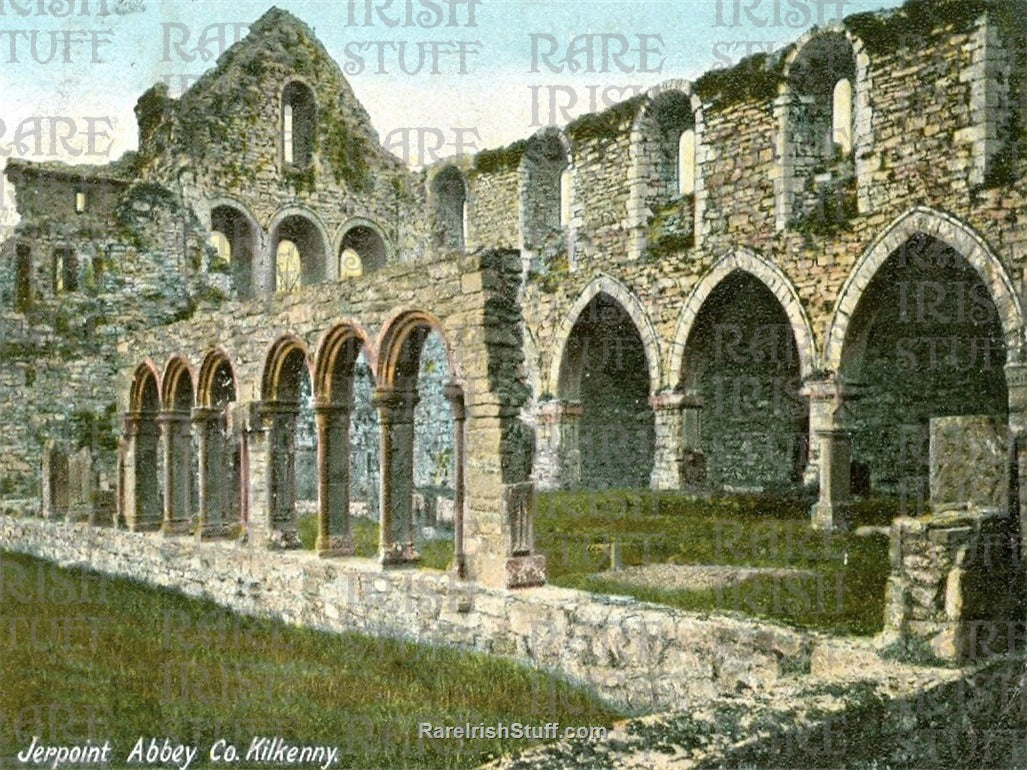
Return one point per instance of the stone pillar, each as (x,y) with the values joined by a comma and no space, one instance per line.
(679,462)
(280,454)
(247,421)
(176,435)
(830,453)
(396,415)
(455,396)
(54,473)
(140,496)
(334,537)
(80,485)
(558,457)
(212,479)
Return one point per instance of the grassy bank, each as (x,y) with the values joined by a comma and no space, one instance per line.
(87,656)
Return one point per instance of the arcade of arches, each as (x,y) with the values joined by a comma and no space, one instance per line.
(739,401)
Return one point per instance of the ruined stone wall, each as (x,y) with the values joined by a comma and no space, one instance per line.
(223,140)
(641,656)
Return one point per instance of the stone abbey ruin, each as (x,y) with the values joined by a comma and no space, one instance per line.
(808,270)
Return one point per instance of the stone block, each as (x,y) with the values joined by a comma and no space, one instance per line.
(968,462)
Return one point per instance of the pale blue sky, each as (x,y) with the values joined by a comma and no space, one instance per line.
(496,100)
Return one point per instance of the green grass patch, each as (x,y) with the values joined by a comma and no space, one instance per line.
(84,655)
(435,554)
(843,594)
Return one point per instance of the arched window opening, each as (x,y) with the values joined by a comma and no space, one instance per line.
(292,485)
(818,182)
(686,162)
(299,123)
(65,270)
(180,462)
(420,513)
(363,251)
(287,267)
(80,202)
(841,128)
(450,194)
(287,135)
(545,193)
(299,254)
(222,247)
(140,459)
(219,452)
(667,121)
(348,436)
(234,239)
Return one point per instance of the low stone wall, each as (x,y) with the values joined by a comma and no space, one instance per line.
(640,656)
(952,584)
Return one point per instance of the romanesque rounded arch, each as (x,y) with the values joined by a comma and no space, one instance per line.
(215,361)
(679,85)
(770,276)
(281,351)
(604,284)
(393,359)
(145,393)
(229,202)
(340,346)
(299,116)
(655,158)
(177,385)
(544,190)
(369,242)
(951,232)
(307,230)
(806,143)
(449,196)
(796,49)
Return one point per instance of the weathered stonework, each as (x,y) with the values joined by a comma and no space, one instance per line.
(806,302)
(642,656)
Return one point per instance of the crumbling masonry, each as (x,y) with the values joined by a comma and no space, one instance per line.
(774,276)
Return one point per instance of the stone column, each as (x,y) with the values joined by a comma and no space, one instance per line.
(830,453)
(455,396)
(176,436)
(280,417)
(140,493)
(396,415)
(334,537)
(211,478)
(558,457)
(679,462)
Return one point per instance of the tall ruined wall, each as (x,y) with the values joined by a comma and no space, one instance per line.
(937,130)
(223,139)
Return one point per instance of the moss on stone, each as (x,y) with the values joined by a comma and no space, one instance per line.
(754,78)
(908,26)
(604,127)
(501,159)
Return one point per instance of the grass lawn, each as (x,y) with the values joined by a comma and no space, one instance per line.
(87,656)
(846,594)
(575,529)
